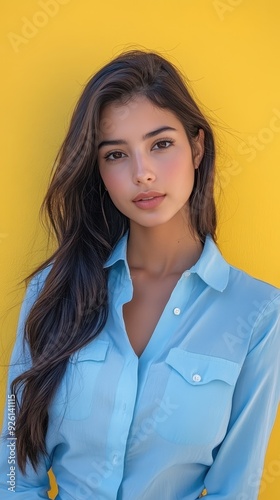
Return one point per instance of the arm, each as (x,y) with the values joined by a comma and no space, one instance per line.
(12,481)
(237,469)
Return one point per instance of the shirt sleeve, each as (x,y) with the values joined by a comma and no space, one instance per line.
(237,469)
(12,481)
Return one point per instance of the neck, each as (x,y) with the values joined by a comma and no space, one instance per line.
(166,249)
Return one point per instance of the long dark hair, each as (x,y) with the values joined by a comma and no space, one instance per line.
(71,308)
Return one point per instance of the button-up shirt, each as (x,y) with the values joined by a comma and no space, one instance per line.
(190,417)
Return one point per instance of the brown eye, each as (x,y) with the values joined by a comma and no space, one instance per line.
(116,155)
(163,144)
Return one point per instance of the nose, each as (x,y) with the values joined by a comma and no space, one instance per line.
(142,170)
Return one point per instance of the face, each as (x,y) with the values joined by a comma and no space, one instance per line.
(146,161)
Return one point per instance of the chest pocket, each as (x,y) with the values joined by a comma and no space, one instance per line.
(199,391)
(76,396)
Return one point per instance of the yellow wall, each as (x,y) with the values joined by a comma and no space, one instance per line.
(230,51)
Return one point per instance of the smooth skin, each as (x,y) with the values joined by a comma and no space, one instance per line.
(137,156)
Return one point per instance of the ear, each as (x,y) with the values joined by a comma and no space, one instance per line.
(198,148)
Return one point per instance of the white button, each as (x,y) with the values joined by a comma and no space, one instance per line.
(115,459)
(177,311)
(196,377)
(187,274)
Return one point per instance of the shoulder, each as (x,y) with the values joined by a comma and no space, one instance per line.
(251,289)
(36,284)
(257,304)
(38,280)
(237,286)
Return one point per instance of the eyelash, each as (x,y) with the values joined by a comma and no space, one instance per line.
(107,156)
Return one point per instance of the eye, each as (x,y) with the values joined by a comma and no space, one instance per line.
(163,144)
(116,155)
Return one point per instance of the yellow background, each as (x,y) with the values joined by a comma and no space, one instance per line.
(230,52)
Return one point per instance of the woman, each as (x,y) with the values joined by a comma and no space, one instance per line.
(146,367)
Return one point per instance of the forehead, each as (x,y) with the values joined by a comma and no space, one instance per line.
(138,112)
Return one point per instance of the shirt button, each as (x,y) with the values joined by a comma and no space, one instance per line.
(176,311)
(115,459)
(187,274)
(196,377)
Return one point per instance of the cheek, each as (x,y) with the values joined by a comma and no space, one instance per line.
(180,169)
(112,180)
(116,187)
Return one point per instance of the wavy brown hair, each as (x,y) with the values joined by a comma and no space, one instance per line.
(72,307)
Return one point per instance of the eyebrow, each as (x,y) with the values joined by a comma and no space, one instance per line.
(118,142)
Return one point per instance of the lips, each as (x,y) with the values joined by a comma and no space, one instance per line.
(149,200)
(149,195)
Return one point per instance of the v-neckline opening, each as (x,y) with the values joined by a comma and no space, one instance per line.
(147,349)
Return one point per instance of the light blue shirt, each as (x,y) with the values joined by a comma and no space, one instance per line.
(193,412)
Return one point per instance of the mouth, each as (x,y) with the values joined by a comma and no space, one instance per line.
(148,201)
(148,196)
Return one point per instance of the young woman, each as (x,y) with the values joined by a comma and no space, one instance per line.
(145,366)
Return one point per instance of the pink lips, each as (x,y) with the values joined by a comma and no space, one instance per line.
(149,199)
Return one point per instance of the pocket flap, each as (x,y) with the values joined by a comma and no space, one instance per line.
(199,369)
(96,350)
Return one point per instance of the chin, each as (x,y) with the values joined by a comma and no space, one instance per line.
(151,223)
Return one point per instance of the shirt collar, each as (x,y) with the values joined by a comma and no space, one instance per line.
(211,267)
(118,252)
